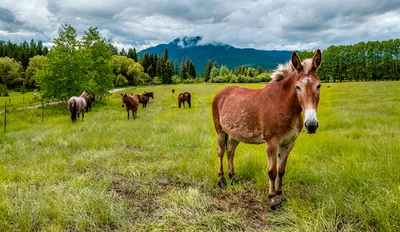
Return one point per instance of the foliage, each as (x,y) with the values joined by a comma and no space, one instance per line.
(22,52)
(65,73)
(120,80)
(11,72)
(35,63)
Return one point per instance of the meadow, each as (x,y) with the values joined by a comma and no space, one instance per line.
(159,172)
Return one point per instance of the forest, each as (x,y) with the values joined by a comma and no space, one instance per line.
(92,63)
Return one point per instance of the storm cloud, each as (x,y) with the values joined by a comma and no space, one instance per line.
(270,25)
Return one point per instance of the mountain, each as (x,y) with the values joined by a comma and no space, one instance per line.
(225,54)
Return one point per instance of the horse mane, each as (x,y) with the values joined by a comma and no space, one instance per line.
(284,70)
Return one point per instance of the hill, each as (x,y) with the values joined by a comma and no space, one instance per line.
(225,54)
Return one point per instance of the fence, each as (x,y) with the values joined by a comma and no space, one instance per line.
(19,115)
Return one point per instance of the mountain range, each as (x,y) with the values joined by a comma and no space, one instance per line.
(223,54)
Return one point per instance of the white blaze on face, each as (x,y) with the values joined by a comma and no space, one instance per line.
(310,115)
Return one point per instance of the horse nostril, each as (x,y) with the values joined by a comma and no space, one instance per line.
(122,105)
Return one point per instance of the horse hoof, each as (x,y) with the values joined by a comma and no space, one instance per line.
(276,207)
(275,204)
(222,183)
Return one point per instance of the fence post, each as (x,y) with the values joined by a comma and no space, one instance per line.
(9,100)
(42,111)
(23,99)
(5,117)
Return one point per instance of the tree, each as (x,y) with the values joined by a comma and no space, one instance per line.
(11,73)
(123,53)
(65,72)
(134,56)
(35,63)
(207,70)
(99,68)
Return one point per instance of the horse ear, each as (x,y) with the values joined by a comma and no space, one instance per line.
(317,59)
(296,61)
(121,94)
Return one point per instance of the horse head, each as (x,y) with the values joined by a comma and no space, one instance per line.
(125,99)
(308,87)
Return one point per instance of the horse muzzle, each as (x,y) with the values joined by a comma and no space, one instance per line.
(311,126)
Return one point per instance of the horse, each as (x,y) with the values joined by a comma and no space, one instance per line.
(131,102)
(149,95)
(89,104)
(184,97)
(143,99)
(270,115)
(76,105)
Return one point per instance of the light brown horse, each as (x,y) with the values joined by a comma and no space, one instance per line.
(184,97)
(76,105)
(131,102)
(270,115)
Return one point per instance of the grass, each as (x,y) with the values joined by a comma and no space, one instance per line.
(159,172)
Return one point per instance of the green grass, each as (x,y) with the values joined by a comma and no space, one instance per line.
(159,172)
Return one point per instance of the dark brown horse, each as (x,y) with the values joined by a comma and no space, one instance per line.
(143,99)
(270,115)
(184,97)
(76,105)
(131,102)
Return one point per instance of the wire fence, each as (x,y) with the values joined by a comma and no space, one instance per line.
(28,112)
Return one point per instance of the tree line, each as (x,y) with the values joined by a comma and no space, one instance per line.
(364,61)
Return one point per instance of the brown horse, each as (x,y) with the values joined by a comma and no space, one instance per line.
(270,115)
(76,105)
(131,102)
(184,97)
(143,99)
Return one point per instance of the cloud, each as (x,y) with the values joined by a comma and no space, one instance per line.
(260,24)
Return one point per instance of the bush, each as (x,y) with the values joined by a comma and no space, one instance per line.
(157,81)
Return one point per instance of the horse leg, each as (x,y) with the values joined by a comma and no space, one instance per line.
(134,114)
(283,154)
(179,104)
(222,139)
(83,114)
(272,172)
(128,113)
(230,150)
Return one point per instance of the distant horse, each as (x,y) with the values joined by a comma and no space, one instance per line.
(131,102)
(270,115)
(143,99)
(184,97)
(76,105)
(89,104)
(149,95)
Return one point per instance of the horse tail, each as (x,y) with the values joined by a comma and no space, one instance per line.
(188,99)
(73,113)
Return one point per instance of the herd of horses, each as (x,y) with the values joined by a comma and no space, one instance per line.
(271,115)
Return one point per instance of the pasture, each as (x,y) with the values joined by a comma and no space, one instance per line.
(159,172)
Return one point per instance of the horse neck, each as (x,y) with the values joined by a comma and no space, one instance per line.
(284,91)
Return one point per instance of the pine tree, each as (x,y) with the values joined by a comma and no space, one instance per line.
(122,53)
(135,57)
(207,71)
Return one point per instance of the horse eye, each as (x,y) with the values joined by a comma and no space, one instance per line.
(298,87)
(318,86)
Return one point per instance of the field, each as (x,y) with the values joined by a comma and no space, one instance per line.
(159,172)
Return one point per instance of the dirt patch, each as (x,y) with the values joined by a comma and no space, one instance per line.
(143,193)
(251,204)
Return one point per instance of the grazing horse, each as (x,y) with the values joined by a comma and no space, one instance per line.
(76,105)
(131,102)
(143,99)
(270,115)
(184,97)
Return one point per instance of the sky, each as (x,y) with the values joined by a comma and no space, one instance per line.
(259,24)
